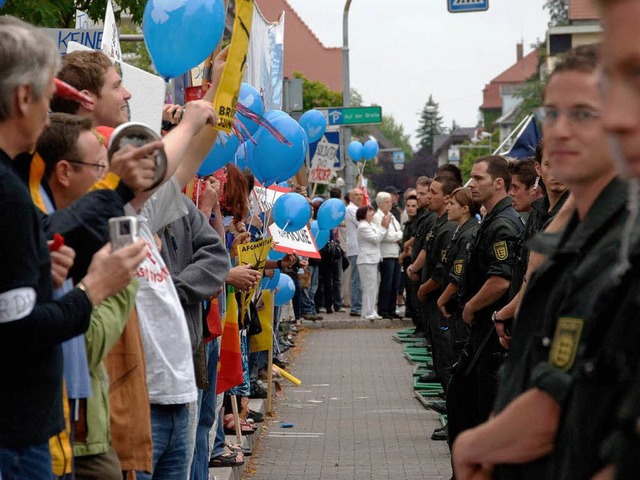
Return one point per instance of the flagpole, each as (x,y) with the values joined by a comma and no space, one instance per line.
(236,418)
(270,364)
(516,131)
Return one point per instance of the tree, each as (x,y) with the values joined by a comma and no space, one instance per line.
(395,133)
(316,94)
(430,125)
(62,13)
(454,126)
(558,11)
(477,150)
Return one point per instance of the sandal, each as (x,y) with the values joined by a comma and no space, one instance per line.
(230,426)
(226,460)
(237,448)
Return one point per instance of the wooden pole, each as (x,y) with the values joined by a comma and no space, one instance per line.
(269,407)
(236,418)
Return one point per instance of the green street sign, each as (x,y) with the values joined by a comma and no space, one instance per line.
(352,115)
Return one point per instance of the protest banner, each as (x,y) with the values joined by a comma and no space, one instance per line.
(300,242)
(226,97)
(322,163)
(254,254)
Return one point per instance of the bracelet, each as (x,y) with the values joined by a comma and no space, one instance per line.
(81,286)
(280,264)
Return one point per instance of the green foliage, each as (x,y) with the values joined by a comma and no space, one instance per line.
(533,90)
(558,11)
(61,13)
(316,94)
(430,125)
(468,156)
(395,133)
(136,53)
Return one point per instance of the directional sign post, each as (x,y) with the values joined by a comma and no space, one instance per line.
(352,115)
(460,6)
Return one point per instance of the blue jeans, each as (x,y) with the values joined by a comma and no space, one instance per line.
(356,290)
(32,462)
(200,464)
(309,294)
(170,435)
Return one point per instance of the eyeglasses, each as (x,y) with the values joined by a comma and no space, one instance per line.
(576,116)
(99,166)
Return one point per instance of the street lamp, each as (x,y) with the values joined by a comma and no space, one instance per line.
(346,95)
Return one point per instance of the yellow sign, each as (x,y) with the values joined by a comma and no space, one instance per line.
(458,265)
(226,97)
(264,340)
(501,250)
(565,343)
(254,254)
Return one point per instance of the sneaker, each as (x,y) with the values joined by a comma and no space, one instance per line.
(339,310)
(312,316)
(355,314)
(322,310)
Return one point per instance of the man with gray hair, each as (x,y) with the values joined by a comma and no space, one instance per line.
(32,326)
(355,201)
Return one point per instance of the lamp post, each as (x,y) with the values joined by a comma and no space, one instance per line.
(346,96)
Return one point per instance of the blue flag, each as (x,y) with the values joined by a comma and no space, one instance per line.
(527,141)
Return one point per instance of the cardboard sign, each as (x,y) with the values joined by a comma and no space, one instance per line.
(62,37)
(322,163)
(254,254)
(264,198)
(300,242)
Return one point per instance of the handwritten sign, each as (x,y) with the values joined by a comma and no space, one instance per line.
(322,163)
(300,242)
(89,37)
(264,198)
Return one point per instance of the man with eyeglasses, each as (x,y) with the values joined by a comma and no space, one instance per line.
(522,440)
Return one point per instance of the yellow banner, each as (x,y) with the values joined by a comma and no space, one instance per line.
(264,340)
(226,97)
(254,254)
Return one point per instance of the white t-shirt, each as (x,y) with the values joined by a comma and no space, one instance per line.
(352,230)
(163,327)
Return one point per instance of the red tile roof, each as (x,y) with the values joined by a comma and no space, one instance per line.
(519,72)
(491,97)
(583,10)
(303,50)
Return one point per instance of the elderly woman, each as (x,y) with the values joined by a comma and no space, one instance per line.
(369,238)
(389,251)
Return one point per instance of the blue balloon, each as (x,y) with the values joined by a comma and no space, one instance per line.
(179,34)
(250,98)
(222,152)
(284,184)
(275,255)
(273,114)
(370,149)
(244,154)
(285,290)
(354,149)
(291,212)
(331,213)
(314,123)
(321,237)
(274,161)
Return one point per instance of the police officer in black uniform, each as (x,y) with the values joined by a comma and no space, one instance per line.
(550,404)
(483,290)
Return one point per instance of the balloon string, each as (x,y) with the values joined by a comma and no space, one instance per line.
(262,121)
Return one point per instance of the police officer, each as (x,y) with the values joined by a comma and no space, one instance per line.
(555,328)
(484,289)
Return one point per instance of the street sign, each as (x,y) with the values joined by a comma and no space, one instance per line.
(352,115)
(460,6)
(398,157)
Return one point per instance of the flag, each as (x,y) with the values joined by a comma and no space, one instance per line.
(264,340)
(230,362)
(527,140)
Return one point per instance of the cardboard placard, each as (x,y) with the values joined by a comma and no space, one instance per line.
(264,198)
(300,242)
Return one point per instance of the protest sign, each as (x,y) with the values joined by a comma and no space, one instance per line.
(254,254)
(322,163)
(264,198)
(300,242)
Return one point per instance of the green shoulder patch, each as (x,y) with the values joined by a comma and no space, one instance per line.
(500,249)
(565,342)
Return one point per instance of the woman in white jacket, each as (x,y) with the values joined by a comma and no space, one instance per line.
(369,238)
(390,251)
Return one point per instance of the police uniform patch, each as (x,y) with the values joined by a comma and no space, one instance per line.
(565,343)
(500,249)
(458,265)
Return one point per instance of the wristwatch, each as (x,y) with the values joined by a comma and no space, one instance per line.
(495,319)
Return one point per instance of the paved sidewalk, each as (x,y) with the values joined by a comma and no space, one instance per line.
(355,416)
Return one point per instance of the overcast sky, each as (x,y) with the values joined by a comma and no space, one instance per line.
(403,50)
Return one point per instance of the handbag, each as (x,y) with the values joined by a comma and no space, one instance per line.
(345,263)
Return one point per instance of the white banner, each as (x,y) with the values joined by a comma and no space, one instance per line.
(300,242)
(322,163)
(62,37)
(111,37)
(265,59)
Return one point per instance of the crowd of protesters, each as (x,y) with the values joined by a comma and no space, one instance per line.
(522,286)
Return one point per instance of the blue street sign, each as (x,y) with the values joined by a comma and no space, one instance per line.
(332,137)
(398,157)
(460,6)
